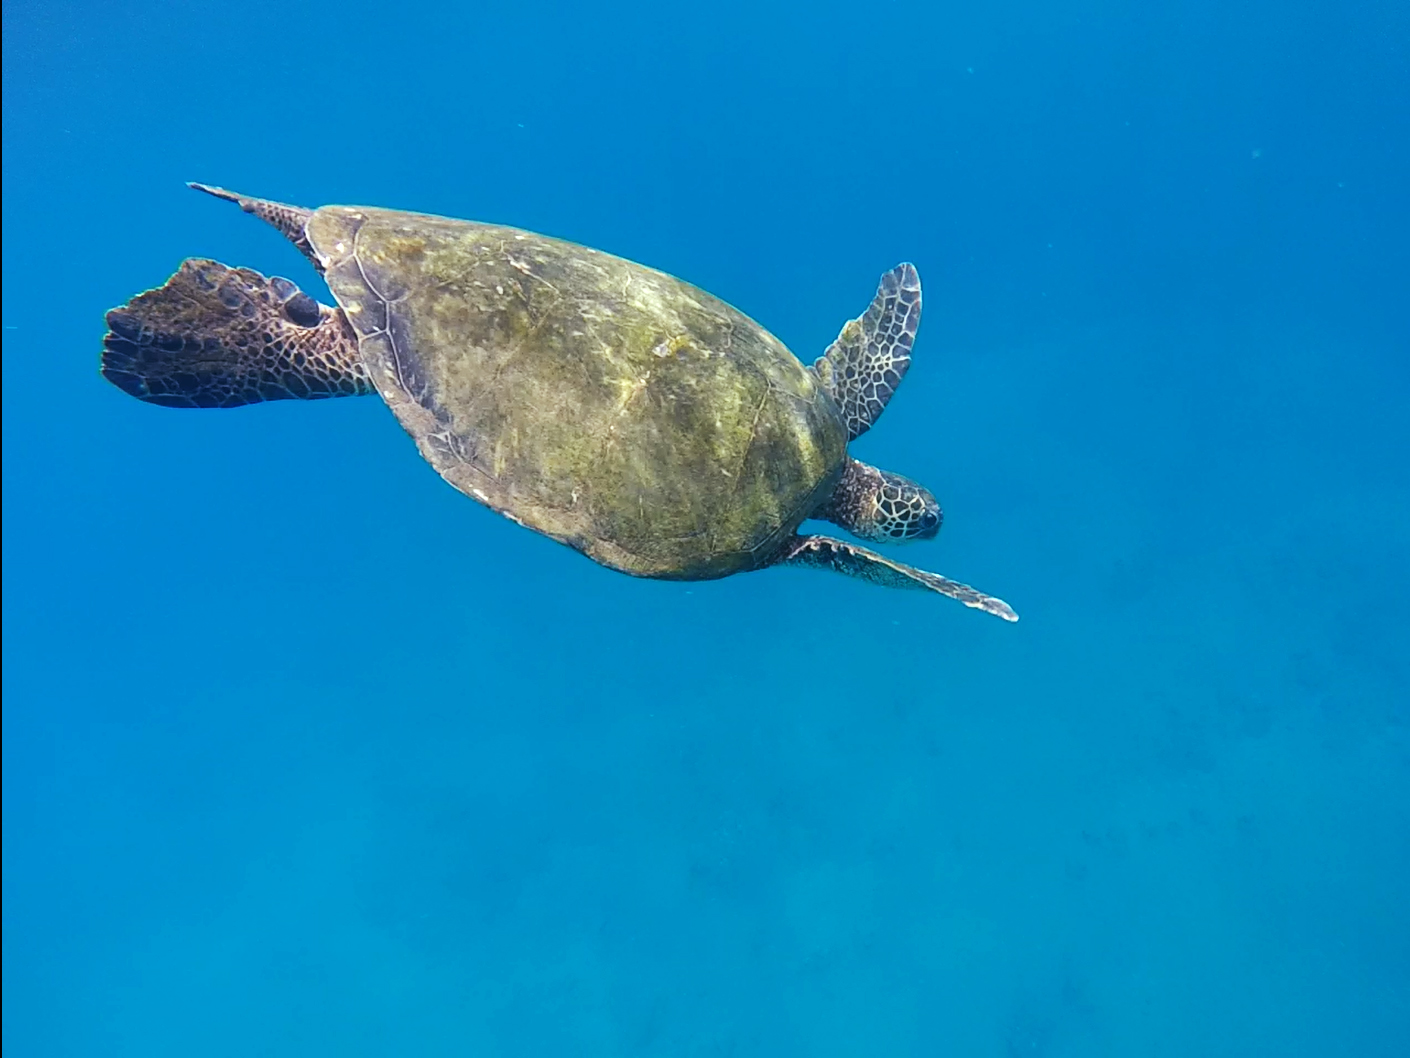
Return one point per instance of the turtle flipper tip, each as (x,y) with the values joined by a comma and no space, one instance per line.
(218,192)
(288,220)
(997,607)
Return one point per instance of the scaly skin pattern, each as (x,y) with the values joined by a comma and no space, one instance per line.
(218,337)
(607,405)
(880,506)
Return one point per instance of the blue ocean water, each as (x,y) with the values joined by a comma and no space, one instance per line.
(304,753)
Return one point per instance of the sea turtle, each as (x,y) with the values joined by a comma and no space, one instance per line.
(604,404)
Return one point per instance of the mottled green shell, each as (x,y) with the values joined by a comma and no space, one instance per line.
(604,404)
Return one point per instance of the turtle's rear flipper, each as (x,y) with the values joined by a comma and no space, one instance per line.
(219,337)
(823,552)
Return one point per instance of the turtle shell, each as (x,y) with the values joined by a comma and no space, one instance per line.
(606,405)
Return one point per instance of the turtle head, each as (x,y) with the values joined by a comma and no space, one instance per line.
(882,507)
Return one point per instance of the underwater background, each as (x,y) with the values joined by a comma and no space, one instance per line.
(305,753)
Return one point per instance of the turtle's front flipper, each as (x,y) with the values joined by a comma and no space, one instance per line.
(866,363)
(219,337)
(289,220)
(823,552)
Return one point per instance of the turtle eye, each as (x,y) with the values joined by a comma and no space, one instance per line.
(303,310)
(929,522)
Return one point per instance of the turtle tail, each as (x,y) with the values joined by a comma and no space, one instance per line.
(218,337)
